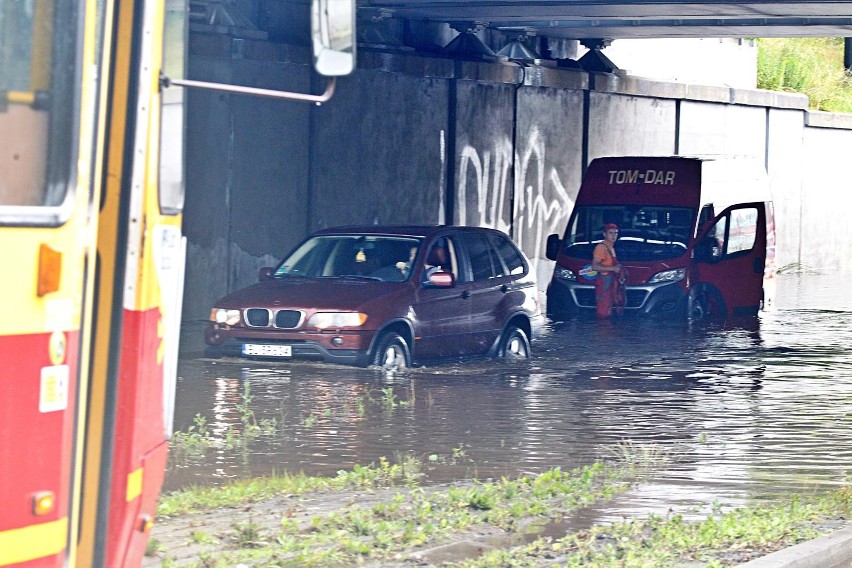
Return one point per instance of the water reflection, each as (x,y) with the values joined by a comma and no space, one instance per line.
(749,409)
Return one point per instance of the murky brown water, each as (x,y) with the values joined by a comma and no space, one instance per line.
(749,410)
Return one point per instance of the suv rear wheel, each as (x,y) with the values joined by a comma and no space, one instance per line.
(392,352)
(514,344)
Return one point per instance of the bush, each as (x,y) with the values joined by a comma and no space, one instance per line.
(811,66)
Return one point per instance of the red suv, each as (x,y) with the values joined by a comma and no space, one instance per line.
(388,296)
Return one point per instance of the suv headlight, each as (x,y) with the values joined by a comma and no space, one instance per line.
(333,320)
(224,315)
(562,273)
(675,275)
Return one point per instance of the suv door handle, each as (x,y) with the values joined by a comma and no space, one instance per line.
(466,294)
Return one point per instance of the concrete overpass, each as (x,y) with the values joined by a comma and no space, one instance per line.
(582,19)
(544,26)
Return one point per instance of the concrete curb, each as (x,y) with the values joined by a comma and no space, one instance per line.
(831,551)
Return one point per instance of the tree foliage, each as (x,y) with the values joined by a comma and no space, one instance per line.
(812,66)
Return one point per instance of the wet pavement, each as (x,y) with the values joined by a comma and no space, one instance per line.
(745,411)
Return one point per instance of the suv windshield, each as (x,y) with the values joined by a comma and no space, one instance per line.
(646,233)
(386,258)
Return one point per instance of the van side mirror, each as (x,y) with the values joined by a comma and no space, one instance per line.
(707,249)
(552,250)
(440,280)
(265,273)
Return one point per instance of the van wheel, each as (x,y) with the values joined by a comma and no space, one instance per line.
(559,314)
(704,304)
(514,344)
(392,352)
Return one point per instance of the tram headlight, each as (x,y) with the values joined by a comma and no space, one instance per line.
(225,316)
(666,276)
(43,503)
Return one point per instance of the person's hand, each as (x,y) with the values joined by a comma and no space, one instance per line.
(616,268)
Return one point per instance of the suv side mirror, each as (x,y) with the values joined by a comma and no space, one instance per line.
(552,250)
(440,280)
(265,273)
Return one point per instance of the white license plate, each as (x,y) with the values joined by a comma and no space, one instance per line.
(268,350)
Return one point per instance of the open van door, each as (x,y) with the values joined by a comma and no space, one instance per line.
(729,261)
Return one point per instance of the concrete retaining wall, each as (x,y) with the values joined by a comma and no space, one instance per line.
(413,139)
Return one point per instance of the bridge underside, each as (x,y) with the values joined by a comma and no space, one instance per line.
(582,19)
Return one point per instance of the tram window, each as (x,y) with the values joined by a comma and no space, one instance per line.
(37,94)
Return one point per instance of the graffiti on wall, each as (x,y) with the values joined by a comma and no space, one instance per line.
(485,198)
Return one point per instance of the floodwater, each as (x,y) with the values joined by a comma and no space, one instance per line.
(751,409)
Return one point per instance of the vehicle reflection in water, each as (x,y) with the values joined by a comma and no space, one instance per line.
(747,410)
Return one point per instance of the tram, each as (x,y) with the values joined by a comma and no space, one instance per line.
(92,256)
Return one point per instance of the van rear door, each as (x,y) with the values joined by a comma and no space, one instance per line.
(730,256)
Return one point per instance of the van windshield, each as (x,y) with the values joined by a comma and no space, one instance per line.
(646,233)
(386,258)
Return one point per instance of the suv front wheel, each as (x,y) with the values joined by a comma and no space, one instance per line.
(392,352)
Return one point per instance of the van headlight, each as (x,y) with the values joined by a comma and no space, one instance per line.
(675,275)
(334,320)
(562,273)
(225,316)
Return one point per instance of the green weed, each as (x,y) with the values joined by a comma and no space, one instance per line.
(643,456)
(192,443)
(811,66)
(309,420)
(722,539)
(153,547)
(414,516)
(240,492)
(418,517)
(389,399)
(248,535)
(207,560)
(201,537)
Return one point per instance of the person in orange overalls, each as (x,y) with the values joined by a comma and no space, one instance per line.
(606,264)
